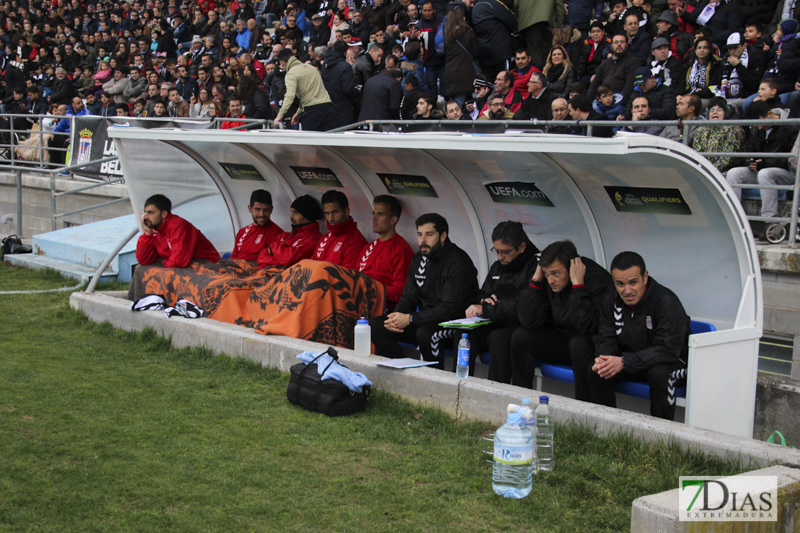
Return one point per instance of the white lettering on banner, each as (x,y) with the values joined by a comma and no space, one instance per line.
(511,191)
(110,167)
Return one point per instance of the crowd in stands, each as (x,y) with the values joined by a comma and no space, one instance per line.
(325,64)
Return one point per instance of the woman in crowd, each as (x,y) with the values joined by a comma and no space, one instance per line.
(572,41)
(225,51)
(719,138)
(460,48)
(704,73)
(201,108)
(559,71)
(216,109)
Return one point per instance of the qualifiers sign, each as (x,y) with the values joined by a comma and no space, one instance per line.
(406,185)
(517,192)
(317,176)
(239,171)
(648,200)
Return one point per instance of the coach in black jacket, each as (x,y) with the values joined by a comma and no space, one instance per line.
(643,336)
(442,281)
(558,310)
(497,299)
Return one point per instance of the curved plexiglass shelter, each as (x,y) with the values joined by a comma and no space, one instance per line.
(630,192)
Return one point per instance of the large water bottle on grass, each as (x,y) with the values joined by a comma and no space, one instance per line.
(544,434)
(512,473)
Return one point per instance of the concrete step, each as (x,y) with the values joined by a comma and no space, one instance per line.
(65,268)
(89,244)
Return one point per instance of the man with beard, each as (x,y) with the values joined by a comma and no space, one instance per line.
(441,283)
(497,298)
(343,243)
(169,237)
(386,259)
(298,244)
(496,110)
(253,238)
(558,311)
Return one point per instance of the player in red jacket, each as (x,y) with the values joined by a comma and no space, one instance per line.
(387,258)
(298,244)
(343,242)
(253,238)
(170,237)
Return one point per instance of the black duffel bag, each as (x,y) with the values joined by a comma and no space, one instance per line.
(13,245)
(330,397)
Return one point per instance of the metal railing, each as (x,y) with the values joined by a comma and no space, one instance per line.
(18,166)
(541,126)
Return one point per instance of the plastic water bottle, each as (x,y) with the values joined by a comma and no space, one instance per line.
(544,434)
(363,342)
(462,360)
(512,473)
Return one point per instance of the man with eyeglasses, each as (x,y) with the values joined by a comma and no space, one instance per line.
(504,88)
(560,110)
(497,298)
(558,311)
(496,110)
(538,104)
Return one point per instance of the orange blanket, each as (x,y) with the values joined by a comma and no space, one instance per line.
(316,301)
(311,300)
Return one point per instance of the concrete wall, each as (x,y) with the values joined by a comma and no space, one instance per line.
(36,203)
(473,398)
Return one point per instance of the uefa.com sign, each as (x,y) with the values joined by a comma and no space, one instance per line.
(731,499)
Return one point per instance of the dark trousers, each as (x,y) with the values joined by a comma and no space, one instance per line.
(537,41)
(315,118)
(529,345)
(663,380)
(496,338)
(431,339)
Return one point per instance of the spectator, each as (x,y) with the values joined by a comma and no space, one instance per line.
(339,81)
(494,22)
(116,86)
(234,112)
(687,108)
(640,111)
(559,71)
(201,108)
(605,104)
(704,73)
(534,20)
(368,64)
(177,107)
(580,13)
(304,82)
(453,111)
(408,107)
(461,49)
(522,72)
(719,138)
(320,33)
(721,17)
(572,41)
(580,108)
(382,95)
(504,87)
(615,24)
(136,86)
(661,98)
(496,110)
(616,71)
(254,100)
(766,171)
(680,8)
(538,105)
(680,42)
(122,110)
(639,40)
(743,68)
(560,109)
(596,48)
(426,108)
(666,66)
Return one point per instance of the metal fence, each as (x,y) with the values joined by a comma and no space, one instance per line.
(13,138)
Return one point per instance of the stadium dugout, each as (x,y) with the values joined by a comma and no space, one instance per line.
(631,192)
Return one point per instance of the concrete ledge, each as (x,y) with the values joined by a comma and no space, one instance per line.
(660,512)
(472,398)
(779,258)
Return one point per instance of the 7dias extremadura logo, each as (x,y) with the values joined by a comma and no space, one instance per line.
(731,499)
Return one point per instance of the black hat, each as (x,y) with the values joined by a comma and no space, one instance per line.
(308,207)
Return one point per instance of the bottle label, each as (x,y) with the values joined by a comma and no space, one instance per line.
(463,357)
(513,455)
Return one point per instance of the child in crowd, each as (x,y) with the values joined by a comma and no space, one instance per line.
(606,104)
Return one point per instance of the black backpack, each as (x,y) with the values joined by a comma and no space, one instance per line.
(13,245)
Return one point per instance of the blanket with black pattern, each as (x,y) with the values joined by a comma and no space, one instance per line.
(312,300)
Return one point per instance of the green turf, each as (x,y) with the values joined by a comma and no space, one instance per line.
(102,430)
